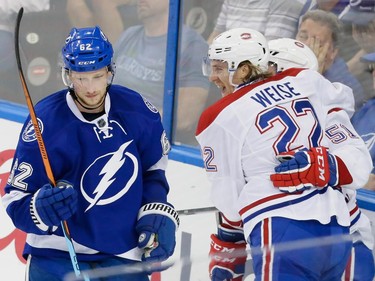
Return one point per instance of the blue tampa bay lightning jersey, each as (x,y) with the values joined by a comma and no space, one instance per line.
(116,163)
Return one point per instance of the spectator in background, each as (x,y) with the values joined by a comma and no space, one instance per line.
(10,85)
(333,6)
(360,16)
(364,120)
(320,30)
(107,14)
(8,13)
(140,55)
(273,18)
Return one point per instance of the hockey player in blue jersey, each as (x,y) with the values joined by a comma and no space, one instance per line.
(108,152)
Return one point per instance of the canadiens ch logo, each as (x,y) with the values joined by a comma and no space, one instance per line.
(116,172)
(28,134)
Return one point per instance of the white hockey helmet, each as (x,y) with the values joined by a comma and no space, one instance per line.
(288,53)
(237,45)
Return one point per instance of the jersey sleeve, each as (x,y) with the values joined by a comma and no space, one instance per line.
(154,147)
(223,169)
(23,182)
(342,139)
(344,142)
(344,98)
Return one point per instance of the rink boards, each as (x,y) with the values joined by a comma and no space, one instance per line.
(189,190)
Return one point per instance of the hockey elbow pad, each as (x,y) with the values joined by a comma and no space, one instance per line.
(156,226)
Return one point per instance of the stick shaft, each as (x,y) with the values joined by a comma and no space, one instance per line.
(42,148)
(188,212)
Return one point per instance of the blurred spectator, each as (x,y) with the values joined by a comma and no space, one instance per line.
(109,15)
(140,57)
(360,16)
(333,6)
(201,15)
(347,46)
(320,30)
(359,12)
(273,18)
(9,79)
(364,119)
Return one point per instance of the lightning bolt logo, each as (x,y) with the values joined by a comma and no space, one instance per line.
(28,134)
(108,173)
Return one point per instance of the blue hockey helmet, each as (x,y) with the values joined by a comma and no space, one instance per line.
(87,49)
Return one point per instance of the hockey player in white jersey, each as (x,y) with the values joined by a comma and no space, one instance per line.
(261,120)
(108,152)
(287,53)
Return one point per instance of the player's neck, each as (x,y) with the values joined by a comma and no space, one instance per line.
(89,116)
(89,109)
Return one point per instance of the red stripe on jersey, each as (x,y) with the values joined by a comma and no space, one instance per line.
(336,109)
(266,199)
(156,276)
(349,271)
(355,209)
(233,224)
(344,175)
(210,114)
(266,235)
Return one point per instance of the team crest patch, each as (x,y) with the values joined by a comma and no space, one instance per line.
(150,106)
(165,143)
(28,134)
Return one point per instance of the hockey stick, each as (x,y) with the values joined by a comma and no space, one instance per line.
(40,141)
(188,212)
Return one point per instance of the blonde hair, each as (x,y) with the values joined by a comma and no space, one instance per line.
(255,73)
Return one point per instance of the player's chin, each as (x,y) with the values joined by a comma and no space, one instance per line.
(93,102)
(90,105)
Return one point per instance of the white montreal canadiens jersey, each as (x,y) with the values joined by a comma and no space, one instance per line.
(116,163)
(241,134)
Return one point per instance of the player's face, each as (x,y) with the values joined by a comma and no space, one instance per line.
(90,87)
(220,77)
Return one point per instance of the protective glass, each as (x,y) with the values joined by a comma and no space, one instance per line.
(214,67)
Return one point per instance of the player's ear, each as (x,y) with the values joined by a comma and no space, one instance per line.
(65,76)
(244,71)
(111,73)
